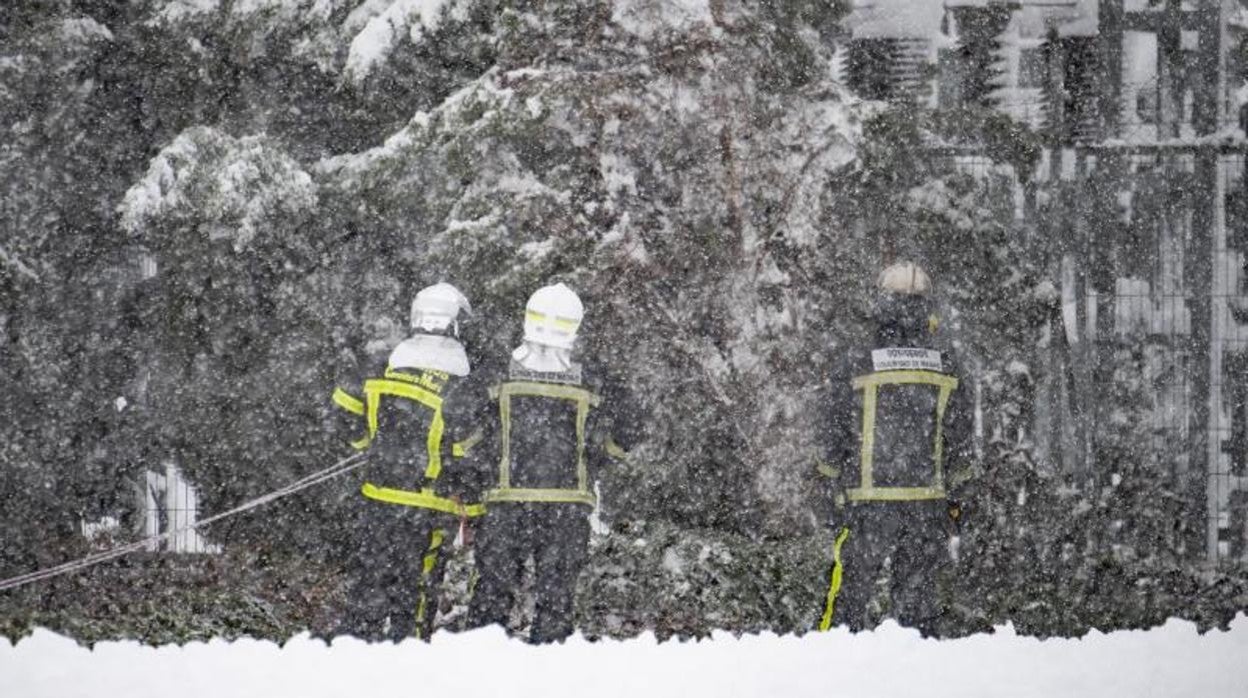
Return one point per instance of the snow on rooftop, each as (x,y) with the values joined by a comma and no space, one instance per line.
(1172,660)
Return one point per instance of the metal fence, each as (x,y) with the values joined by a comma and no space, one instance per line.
(1143,369)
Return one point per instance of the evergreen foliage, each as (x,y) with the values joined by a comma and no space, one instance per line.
(298,168)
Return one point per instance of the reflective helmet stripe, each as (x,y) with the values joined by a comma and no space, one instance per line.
(560,322)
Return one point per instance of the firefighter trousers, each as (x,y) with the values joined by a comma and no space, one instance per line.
(891,555)
(556,537)
(397,571)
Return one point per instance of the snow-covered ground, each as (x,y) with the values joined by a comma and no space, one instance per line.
(1171,661)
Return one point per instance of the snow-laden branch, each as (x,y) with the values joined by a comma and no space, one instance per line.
(234,188)
(383,32)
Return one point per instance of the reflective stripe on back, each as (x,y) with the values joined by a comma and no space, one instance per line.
(869,385)
(531,494)
(376,387)
(583,399)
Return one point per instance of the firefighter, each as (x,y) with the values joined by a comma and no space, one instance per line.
(414,412)
(896,429)
(549,441)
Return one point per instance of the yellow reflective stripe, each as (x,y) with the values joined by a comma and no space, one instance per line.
(870,384)
(426,569)
(838,572)
(555,390)
(348,402)
(868,435)
(424,499)
(615,450)
(433,444)
(826,470)
(894,494)
(361,443)
(583,398)
(376,387)
(459,449)
(905,377)
(520,494)
(504,415)
(381,386)
(560,322)
(938,448)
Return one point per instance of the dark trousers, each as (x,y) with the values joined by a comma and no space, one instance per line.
(893,553)
(556,537)
(397,571)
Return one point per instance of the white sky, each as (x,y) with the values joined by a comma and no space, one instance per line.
(1172,661)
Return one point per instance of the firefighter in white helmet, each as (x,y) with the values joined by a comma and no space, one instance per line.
(549,440)
(416,408)
(895,425)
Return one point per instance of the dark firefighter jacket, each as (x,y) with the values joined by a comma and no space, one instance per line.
(551,435)
(415,423)
(896,422)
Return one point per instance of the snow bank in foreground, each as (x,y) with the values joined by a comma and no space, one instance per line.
(1169,661)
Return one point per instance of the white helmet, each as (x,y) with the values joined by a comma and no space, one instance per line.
(905,278)
(553,316)
(436,308)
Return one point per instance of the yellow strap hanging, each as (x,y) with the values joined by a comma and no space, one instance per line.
(838,572)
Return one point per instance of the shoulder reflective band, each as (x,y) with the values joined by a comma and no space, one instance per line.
(834,589)
(870,385)
(562,323)
(521,494)
(584,401)
(459,449)
(376,387)
(348,402)
(361,443)
(423,499)
(426,573)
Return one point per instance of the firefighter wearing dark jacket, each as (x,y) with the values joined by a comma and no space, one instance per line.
(415,413)
(549,440)
(896,427)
